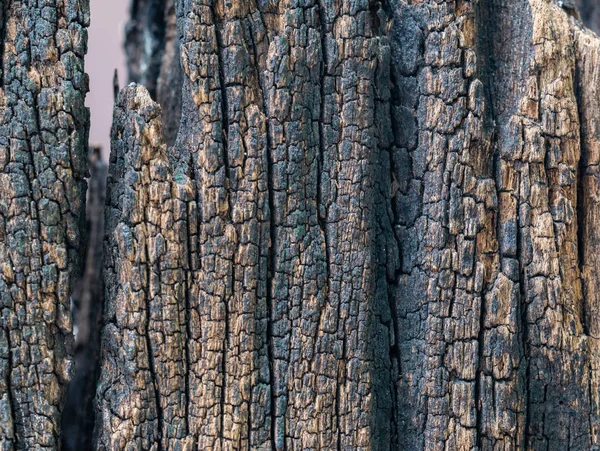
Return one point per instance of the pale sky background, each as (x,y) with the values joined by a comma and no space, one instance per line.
(105,53)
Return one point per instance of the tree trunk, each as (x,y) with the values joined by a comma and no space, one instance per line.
(43,146)
(376,229)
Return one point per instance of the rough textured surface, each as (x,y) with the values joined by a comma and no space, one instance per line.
(444,219)
(287,312)
(141,393)
(376,229)
(43,165)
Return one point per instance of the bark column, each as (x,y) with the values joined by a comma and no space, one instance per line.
(384,230)
(43,165)
(287,320)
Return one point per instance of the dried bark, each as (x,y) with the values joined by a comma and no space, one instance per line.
(351,225)
(386,219)
(500,338)
(43,145)
(259,226)
(143,337)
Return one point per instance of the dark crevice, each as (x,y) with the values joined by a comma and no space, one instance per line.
(582,209)
(338,386)
(385,370)
(79,414)
(480,373)
(226,333)
(225,150)
(522,314)
(155,382)
(186,333)
(322,213)
(150,352)
(394,351)
(271,253)
(394,356)
(321,207)
(271,246)
(9,390)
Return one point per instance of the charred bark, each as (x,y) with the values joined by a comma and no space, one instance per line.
(389,231)
(329,225)
(43,146)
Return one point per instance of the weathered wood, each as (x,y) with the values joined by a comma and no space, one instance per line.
(141,392)
(376,229)
(383,229)
(43,165)
(444,220)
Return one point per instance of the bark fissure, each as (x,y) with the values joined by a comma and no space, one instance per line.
(225,139)
(270,256)
(151,364)
(9,435)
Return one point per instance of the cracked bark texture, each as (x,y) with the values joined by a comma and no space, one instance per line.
(43,165)
(376,228)
(144,330)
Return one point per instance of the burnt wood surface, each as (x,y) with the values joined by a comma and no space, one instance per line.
(329,225)
(375,229)
(43,165)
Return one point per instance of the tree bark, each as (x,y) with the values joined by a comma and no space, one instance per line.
(329,225)
(377,231)
(43,146)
